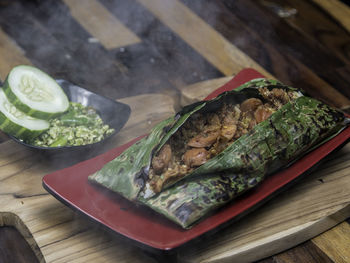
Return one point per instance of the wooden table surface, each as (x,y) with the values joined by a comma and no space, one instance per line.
(167,53)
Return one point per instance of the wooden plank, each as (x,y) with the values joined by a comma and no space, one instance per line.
(316,87)
(326,34)
(335,243)
(162,51)
(191,93)
(15,249)
(141,119)
(307,252)
(319,88)
(145,67)
(66,54)
(339,11)
(200,36)
(10,55)
(101,24)
(300,64)
(43,50)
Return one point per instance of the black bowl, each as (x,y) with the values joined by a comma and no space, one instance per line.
(112,112)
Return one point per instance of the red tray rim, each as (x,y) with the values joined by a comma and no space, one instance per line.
(70,192)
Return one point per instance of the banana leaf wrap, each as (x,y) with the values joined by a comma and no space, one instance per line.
(271,145)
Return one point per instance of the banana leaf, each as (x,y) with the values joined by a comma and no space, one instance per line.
(128,173)
(272,144)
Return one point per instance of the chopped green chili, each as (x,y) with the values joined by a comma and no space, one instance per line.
(80,125)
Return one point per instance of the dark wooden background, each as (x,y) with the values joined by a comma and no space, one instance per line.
(307,49)
(298,42)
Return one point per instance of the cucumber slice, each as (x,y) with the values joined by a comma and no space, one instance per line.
(35,93)
(17,123)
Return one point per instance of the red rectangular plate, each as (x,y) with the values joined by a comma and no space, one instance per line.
(141,224)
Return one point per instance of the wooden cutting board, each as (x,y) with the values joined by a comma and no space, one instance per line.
(56,234)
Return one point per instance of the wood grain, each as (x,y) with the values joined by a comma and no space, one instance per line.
(31,38)
(146,112)
(243,29)
(289,45)
(162,51)
(326,34)
(318,88)
(20,250)
(101,24)
(306,252)
(211,45)
(162,62)
(338,10)
(335,243)
(70,56)
(198,91)
(10,55)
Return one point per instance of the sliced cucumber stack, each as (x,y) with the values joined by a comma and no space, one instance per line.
(17,123)
(35,93)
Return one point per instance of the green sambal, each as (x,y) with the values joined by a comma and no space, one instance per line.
(80,125)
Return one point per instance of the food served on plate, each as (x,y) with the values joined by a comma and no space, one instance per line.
(205,135)
(213,151)
(35,109)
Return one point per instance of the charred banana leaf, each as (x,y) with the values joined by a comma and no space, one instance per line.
(127,173)
(271,145)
